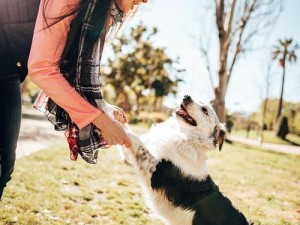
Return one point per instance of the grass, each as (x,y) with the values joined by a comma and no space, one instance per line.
(269,137)
(49,189)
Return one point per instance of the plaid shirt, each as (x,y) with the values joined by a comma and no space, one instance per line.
(85,79)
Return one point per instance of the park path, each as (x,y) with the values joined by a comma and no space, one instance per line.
(37,133)
(287,149)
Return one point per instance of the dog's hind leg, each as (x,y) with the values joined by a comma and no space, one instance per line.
(139,157)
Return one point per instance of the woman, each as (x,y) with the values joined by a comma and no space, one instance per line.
(64,62)
(17,19)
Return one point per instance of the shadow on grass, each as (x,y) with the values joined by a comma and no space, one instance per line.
(291,142)
(228,141)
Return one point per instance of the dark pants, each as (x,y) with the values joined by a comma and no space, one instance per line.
(10,120)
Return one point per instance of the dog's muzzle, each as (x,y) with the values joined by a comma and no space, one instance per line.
(183,112)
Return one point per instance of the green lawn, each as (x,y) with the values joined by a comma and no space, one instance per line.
(269,137)
(48,188)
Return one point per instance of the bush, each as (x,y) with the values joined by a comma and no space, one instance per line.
(283,128)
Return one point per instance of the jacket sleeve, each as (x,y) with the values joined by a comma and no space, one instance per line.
(46,49)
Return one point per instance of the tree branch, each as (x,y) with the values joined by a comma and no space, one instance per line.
(237,50)
(229,17)
(205,55)
(220,17)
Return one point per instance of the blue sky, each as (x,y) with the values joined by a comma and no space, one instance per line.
(176,21)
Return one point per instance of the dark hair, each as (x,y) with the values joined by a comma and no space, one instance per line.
(98,21)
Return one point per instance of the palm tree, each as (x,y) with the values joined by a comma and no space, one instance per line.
(285,50)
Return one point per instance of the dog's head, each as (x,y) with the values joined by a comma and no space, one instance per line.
(199,120)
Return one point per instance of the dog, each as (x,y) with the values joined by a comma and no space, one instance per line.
(170,161)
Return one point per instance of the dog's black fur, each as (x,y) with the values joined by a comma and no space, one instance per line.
(210,205)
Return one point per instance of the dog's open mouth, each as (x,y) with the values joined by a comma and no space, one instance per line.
(182,112)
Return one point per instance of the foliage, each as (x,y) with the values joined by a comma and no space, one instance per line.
(29,90)
(291,111)
(283,128)
(140,70)
(286,50)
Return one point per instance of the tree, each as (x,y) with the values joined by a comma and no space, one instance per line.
(237,23)
(285,50)
(140,69)
(265,103)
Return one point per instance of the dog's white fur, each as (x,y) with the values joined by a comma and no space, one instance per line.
(181,143)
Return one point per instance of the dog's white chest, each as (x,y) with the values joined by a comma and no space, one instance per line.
(167,212)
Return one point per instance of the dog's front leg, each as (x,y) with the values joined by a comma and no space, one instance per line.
(139,157)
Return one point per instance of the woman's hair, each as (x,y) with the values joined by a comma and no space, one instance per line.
(99,26)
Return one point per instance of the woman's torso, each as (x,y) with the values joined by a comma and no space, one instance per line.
(17,20)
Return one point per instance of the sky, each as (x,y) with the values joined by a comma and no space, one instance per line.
(177,21)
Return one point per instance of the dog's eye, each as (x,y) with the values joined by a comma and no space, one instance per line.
(204,110)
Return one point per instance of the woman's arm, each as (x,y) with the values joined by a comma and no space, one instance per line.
(46,49)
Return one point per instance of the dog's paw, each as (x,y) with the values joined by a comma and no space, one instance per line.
(135,141)
(123,155)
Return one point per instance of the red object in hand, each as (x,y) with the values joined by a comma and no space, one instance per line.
(72,136)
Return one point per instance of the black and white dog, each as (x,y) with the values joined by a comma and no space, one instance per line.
(170,161)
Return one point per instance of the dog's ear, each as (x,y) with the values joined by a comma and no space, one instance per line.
(221,138)
(219,135)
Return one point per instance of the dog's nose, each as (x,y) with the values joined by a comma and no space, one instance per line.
(187,99)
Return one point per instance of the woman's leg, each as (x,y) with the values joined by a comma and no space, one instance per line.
(10,120)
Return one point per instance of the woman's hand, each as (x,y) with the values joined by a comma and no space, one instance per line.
(112,130)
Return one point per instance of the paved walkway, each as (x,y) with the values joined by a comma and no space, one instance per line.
(36,134)
(288,149)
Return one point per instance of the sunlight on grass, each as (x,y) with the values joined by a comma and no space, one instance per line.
(48,188)
(264,185)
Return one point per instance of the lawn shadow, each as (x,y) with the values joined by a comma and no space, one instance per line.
(292,143)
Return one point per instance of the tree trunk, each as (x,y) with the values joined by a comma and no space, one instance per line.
(220,92)
(219,105)
(154,109)
(263,120)
(138,104)
(282,89)
(123,101)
